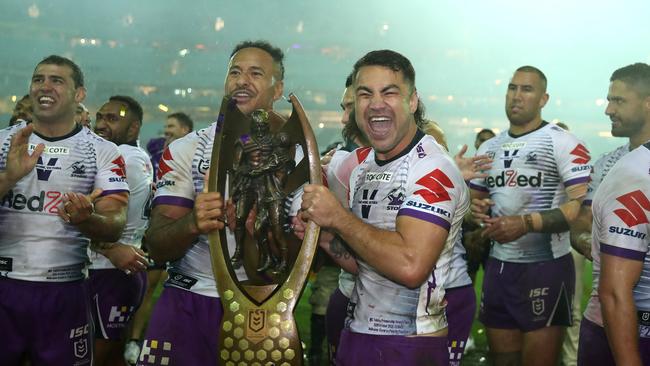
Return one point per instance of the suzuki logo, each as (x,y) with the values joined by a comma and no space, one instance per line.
(581,153)
(435,183)
(635,203)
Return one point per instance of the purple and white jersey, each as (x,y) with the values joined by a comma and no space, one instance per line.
(530,173)
(139,174)
(601,167)
(35,243)
(180,178)
(621,213)
(423,183)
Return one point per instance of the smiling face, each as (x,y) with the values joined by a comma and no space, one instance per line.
(384,107)
(252,80)
(115,123)
(53,93)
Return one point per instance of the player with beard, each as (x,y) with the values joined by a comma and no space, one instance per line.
(407,199)
(116,278)
(629,111)
(61,186)
(185,321)
(531,194)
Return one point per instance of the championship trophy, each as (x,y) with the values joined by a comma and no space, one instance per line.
(255,157)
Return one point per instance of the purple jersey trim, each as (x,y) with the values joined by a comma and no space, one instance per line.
(174,201)
(477,187)
(425,217)
(113,191)
(586,203)
(574,181)
(622,252)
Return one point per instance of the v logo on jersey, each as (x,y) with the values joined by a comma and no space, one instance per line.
(581,153)
(435,183)
(635,203)
(163,167)
(43,171)
(120,171)
(368,199)
(508,158)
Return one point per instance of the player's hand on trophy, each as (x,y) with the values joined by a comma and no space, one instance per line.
(320,206)
(208,209)
(480,208)
(126,257)
(75,208)
(299,226)
(19,161)
(504,229)
(474,166)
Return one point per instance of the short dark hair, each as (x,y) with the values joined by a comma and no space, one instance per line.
(183,119)
(133,105)
(636,76)
(533,69)
(275,52)
(349,79)
(485,130)
(389,59)
(77,74)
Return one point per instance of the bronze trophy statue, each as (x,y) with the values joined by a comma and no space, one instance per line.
(258,327)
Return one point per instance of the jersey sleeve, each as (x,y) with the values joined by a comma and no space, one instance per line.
(111,169)
(595,178)
(622,210)
(174,184)
(436,190)
(572,158)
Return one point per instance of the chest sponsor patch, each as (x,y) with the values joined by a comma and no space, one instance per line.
(52,150)
(379,177)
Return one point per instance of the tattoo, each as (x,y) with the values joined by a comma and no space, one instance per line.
(553,221)
(339,250)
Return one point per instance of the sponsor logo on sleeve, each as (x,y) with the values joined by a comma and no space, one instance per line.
(119,169)
(581,155)
(163,165)
(435,185)
(635,203)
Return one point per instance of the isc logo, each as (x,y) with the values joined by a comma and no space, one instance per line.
(79,331)
(537,292)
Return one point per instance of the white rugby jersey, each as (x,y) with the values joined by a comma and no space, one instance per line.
(601,167)
(139,174)
(35,243)
(180,178)
(621,209)
(423,183)
(530,173)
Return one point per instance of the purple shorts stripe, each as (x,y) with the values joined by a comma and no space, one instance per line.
(183,330)
(174,201)
(622,252)
(113,191)
(360,349)
(527,296)
(461,306)
(477,187)
(425,217)
(574,181)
